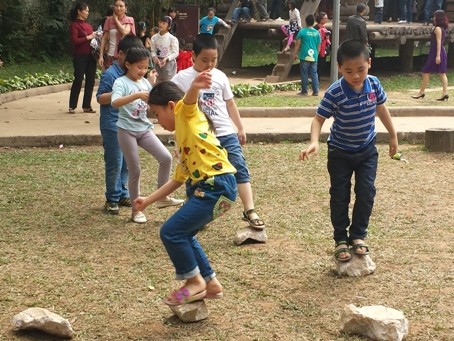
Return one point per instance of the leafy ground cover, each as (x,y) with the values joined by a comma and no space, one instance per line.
(58,250)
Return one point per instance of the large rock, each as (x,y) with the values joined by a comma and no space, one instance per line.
(191,312)
(376,322)
(357,266)
(250,234)
(44,320)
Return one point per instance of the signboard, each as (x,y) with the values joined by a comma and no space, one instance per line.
(187,20)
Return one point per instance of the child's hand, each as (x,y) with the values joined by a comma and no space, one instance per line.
(152,76)
(140,203)
(143,95)
(312,148)
(203,80)
(393,145)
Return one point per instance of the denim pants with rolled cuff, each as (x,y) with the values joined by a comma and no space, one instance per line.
(116,176)
(207,200)
(341,166)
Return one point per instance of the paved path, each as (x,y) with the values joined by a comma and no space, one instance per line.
(40,120)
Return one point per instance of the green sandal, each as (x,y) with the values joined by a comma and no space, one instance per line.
(342,250)
(255,223)
(355,248)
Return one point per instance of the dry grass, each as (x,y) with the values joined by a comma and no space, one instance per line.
(107,275)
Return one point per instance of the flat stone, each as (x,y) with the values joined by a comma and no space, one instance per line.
(191,312)
(375,322)
(44,320)
(250,234)
(358,266)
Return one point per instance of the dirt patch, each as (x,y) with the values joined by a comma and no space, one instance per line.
(108,276)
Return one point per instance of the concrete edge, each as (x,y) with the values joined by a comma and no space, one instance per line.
(54,141)
(417,111)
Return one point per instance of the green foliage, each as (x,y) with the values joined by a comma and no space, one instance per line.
(246,90)
(32,81)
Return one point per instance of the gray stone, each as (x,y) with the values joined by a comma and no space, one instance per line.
(44,320)
(376,322)
(191,312)
(252,234)
(357,266)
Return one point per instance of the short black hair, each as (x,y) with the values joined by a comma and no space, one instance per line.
(361,8)
(310,20)
(136,54)
(129,41)
(204,41)
(351,49)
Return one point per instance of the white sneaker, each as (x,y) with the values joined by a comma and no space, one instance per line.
(402,22)
(139,218)
(169,202)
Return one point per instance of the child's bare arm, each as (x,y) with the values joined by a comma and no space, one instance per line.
(316,128)
(385,117)
(119,102)
(234,114)
(169,187)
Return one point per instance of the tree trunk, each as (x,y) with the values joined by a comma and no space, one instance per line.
(439,140)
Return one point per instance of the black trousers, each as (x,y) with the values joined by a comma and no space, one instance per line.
(84,65)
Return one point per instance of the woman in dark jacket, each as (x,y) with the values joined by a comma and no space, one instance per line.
(84,64)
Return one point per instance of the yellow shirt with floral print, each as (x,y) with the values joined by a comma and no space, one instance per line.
(201,155)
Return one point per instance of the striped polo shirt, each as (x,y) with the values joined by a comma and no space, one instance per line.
(353,113)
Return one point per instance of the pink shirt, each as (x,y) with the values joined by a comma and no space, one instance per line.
(110,25)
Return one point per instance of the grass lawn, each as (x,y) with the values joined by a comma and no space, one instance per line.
(59,251)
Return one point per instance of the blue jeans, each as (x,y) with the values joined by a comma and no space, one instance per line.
(430,7)
(309,69)
(206,201)
(378,15)
(236,157)
(115,167)
(406,10)
(239,12)
(341,165)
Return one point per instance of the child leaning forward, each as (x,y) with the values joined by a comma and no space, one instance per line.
(210,187)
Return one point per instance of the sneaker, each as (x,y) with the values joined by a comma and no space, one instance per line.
(139,218)
(169,202)
(302,94)
(125,202)
(402,22)
(111,207)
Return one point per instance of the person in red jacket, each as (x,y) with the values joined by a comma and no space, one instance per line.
(184,59)
(84,64)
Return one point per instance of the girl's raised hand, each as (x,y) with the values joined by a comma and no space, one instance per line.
(203,80)
(143,95)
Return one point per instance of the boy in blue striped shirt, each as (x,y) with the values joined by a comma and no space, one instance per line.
(353,101)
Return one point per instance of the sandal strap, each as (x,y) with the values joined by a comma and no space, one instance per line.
(341,242)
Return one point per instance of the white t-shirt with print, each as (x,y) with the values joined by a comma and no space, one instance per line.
(212,101)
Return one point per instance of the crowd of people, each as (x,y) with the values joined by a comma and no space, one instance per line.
(141,78)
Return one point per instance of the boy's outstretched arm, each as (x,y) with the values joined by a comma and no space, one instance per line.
(385,117)
(316,128)
(169,187)
(234,115)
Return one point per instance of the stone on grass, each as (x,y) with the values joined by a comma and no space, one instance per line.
(44,320)
(376,322)
(250,234)
(357,266)
(191,312)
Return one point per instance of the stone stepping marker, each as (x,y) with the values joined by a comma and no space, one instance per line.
(191,312)
(250,234)
(357,266)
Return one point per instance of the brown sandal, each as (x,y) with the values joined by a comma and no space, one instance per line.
(255,223)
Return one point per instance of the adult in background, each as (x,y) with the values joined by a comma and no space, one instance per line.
(325,45)
(209,22)
(261,8)
(172,13)
(405,11)
(356,25)
(307,45)
(431,5)
(84,64)
(243,10)
(115,27)
(437,61)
